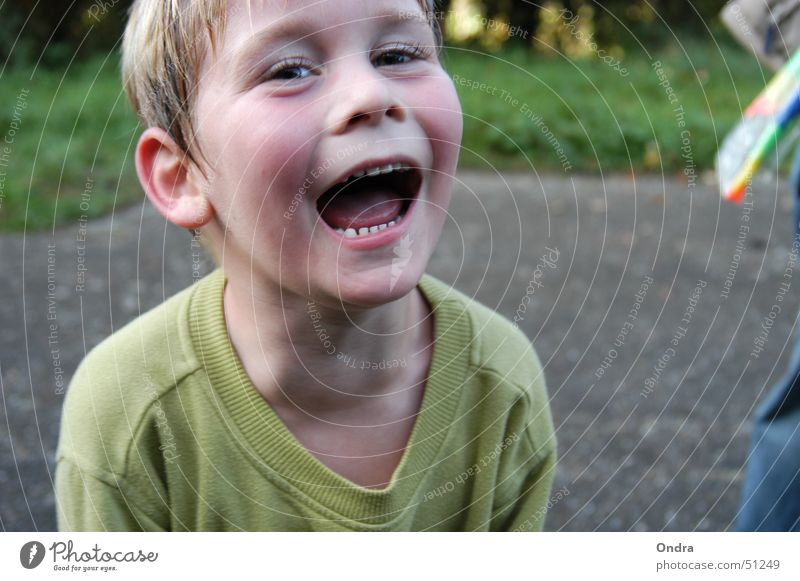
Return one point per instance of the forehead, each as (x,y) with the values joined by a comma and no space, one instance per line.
(246,19)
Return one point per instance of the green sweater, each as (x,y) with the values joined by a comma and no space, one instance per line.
(163,430)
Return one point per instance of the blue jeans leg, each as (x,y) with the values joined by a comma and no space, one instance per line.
(771,492)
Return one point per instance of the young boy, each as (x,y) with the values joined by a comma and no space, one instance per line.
(319,380)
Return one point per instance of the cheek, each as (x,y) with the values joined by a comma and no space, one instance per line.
(258,166)
(445,126)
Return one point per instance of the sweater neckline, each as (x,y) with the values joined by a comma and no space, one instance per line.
(275,451)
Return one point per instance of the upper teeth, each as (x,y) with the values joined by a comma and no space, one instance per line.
(375,171)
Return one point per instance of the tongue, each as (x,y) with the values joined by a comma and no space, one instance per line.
(360,208)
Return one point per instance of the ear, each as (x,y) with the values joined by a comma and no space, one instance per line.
(169,179)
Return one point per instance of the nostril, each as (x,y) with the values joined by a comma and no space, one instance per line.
(371,116)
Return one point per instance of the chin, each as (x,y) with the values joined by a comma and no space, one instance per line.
(378,287)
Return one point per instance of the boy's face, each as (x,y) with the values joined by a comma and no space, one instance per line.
(300,96)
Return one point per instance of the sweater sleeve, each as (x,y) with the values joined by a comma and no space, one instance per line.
(527,509)
(87,502)
(109,473)
(528,467)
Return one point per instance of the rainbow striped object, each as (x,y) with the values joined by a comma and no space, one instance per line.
(762,125)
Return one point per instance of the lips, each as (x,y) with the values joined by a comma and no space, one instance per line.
(371,199)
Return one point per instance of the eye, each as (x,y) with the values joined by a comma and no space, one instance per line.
(400,54)
(289,71)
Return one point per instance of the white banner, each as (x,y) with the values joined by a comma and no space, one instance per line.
(400,556)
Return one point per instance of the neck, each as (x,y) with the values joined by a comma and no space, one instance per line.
(300,354)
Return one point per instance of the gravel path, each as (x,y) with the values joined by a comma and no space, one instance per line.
(647,323)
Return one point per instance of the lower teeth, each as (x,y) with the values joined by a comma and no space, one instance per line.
(353,233)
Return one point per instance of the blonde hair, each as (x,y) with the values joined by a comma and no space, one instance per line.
(163,47)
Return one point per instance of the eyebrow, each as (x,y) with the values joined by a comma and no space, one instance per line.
(291,29)
(286,30)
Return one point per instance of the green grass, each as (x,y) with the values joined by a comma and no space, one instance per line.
(74,126)
(601,119)
(77,125)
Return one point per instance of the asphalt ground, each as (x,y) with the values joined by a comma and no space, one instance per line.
(646,298)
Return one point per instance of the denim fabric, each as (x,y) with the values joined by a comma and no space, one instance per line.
(771,493)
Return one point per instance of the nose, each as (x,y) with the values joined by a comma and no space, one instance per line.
(363,97)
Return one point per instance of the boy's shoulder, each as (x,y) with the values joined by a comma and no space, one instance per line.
(155,344)
(120,380)
(496,344)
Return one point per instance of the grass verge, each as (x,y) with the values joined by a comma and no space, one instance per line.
(72,133)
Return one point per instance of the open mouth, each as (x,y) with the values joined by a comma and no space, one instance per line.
(370,200)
